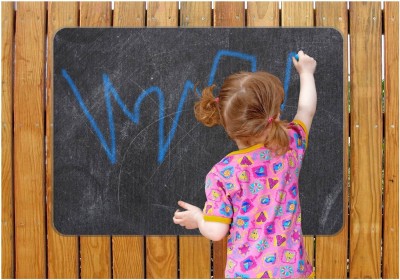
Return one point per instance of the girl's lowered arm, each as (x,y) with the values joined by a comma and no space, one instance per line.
(193,218)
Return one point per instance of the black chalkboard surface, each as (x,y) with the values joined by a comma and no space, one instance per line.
(127,146)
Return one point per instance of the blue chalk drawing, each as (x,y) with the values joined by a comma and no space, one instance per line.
(134,116)
(287,77)
(252,59)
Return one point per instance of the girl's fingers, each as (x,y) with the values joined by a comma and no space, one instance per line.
(177,221)
(186,205)
(179,215)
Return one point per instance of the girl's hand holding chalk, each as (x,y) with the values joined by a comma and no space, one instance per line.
(304,63)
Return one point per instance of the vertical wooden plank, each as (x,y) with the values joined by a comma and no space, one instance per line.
(366,140)
(195,252)
(128,251)
(300,14)
(95,257)
(162,14)
(226,14)
(262,14)
(62,251)
(297,14)
(219,258)
(162,252)
(391,192)
(95,251)
(7,205)
(194,257)
(129,14)
(161,257)
(195,14)
(95,14)
(331,251)
(128,257)
(30,223)
(229,14)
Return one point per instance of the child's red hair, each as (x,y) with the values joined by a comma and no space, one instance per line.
(248,104)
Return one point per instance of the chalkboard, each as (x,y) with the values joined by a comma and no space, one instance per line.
(127,146)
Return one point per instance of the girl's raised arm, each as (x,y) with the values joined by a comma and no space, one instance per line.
(308,94)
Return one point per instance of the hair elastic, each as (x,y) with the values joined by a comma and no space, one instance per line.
(270,120)
(216,99)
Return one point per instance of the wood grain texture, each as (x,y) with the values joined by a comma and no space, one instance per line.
(195,14)
(366,140)
(195,251)
(229,14)
(300,14)
(95,251)
(95,257)
(391,191)
(162,14)
(7,205)
(161,257)
(128,257)
(162,251)
(29,198)
(129,14)
(128,251)
(262,14)
(194,257)
(95,14)
(297,14)
(62,251)
(331,251)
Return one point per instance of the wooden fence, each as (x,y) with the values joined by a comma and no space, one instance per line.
(367,247)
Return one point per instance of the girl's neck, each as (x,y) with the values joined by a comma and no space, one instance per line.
(251,141)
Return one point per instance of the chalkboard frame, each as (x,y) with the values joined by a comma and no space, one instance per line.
(184,231)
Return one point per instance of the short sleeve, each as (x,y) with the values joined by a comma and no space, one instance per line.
(218,207)
(299,136)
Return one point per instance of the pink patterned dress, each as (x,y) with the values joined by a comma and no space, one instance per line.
(257,193)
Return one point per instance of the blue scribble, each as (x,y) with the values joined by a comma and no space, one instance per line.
(287,77)
(134,115)
(221,53)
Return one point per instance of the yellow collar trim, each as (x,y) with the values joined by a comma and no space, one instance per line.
(246,150)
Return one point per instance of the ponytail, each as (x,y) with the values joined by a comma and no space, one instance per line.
(206,109)
(277,139)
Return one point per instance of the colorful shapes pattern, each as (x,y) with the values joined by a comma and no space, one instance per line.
(259,191)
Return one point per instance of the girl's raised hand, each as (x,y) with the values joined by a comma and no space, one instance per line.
(306,64)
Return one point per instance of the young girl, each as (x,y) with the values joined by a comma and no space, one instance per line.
(253,192)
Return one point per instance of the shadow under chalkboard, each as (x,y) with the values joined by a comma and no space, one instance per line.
(127,146)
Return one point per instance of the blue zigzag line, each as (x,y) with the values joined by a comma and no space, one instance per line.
(287,78)
(134,116)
